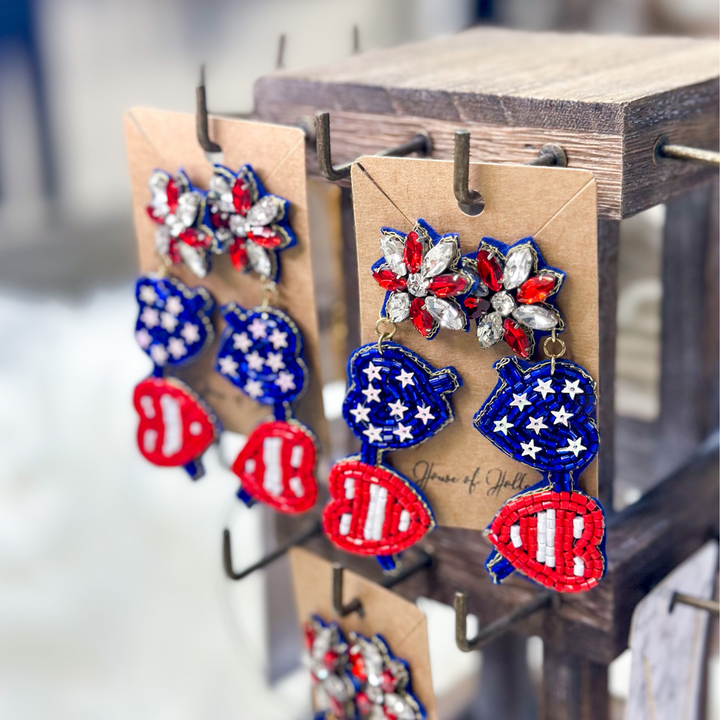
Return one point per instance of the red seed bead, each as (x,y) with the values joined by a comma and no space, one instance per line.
(412,252)
(489,270)
(421,318)
(448,285)
(516,338)
(388,280)
(536,289)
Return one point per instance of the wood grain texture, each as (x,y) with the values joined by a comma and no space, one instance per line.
(605,99)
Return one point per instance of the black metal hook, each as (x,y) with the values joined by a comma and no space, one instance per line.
(499,626)
(301,537)
(712,606)
(201,117)
(665,149)
(471,201)
(420,143)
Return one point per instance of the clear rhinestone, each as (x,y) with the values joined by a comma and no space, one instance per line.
(259,259)
(158,182)
(194,259)
(518,264)
(239,225)
(490,330)
(224,238)
(187,210)
(162,239)
(391,247)
(503,302)
(398,306)
(417,285)
(448,314)
(438,258)
(174,225)
(536,317)
(264,211)
(219,185)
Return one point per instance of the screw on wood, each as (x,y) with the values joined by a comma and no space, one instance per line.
(201,117)
(301,537)
(663,148)
(420,143)
(498,627)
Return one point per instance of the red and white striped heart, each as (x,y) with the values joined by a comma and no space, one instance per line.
(374,510)
(554,538)
(176,427)
(277,466)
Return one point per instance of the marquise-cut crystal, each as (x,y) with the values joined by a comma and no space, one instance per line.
(398,307)
(439,257)
(158,182)
(447,313)
(421,318)
(259,259)
(489,330)
(239,225)
(518,264)
(536,289)
(503,302)
(516,338)
(219,185)
(536,317)
(194,259)
(266,210)
(187,208)
(417,285)
(476,307)
(162,240)
(242,199)
(391,247)
(489,270)
(388,280)
(449,285)
(413,252)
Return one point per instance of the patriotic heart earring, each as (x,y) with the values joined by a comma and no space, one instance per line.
(173,327)
(542,415)
(396,399)
(261,349)
(358,678)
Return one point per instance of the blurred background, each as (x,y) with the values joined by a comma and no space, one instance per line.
(112,598)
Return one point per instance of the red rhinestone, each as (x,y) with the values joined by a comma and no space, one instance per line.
(241,196)
(264,237)
(218,220)
(173,252)
(448,285)
(536,289)
(476,306)
(238,255)
(194,238)
(388,280)
(412,252)
(388,682)
(172,195)
(363,702)
(421,318)
(330,660)
(516,338)
(489,270)
(357,666)
(309,636)
(151,212)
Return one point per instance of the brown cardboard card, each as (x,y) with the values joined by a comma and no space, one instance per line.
(167,140)
(464,476)
(400,623)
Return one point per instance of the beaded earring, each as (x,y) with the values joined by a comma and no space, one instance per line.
(540,414)
(261,349)
(396,399)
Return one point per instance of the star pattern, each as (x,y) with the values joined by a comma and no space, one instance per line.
(536,425)
(520,401)
(361,413)
(143,338)
(502,426)
(255,361)
(242,342)
(372,371)
(424,413)
(253,388)
(406,378)
(530,449)
(173,305)
(275,361)
(159,354)
(176,347)
(561,416)
(150,317)
(168,322)
(285,381)
(228,366)
(258,329)
(190,333)
(148,295)
(372,394)
(373,434)
(397,409)
(572,389)
(544,387)
(403,432)
(573,446)
(278,339)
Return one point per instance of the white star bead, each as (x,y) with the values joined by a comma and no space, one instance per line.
(242,342)
(143,338)
(173,305)
(572,389)
(278,339)
(403,432)
(275,361)
(285,381)
(424,414)
(169,322)
(228,366)
(502,426)
(159,354)
(536,425)
(361,413)
(253,388)
(520,401)
(258,329)
(373,434)
(254,361)
(406,378)
(561,416)
(148,294)
(149,317)
(398,410)
(176,347)
(544,387)
(372,371)
(573,446)
(372,393)
(190,333)
(530,449)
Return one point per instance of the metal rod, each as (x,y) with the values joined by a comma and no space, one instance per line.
(355,40)
(712,606)
(301,537)
(470,201)
(280,60)
(664,149)
(496,628)
(550,155)
(420,144)
(201,117)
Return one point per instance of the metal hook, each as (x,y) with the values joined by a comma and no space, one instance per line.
(356,40)
(201,117)
(420,143)
(664,149)
(496,628)
(712,606)
(301,537)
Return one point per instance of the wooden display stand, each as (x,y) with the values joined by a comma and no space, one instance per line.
(606,101)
